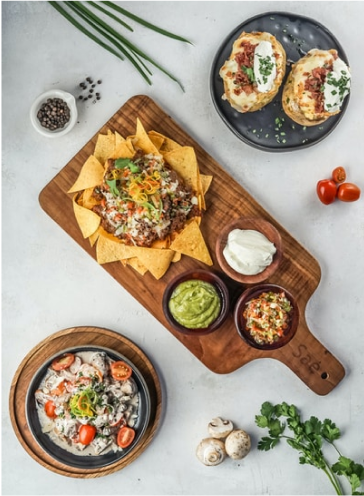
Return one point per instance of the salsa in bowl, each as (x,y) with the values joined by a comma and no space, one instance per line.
(266,316)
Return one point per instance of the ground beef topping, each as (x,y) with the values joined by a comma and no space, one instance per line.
(142,200)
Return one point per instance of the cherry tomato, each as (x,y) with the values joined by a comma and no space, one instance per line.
(348,192)
(60,389)
(120,371)
(63,361)
(339,175)
(125,436)
(326,191)
(86,434)
(50,409)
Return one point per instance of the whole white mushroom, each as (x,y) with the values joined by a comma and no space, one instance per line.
(237,444)
(220,428)
(211,451)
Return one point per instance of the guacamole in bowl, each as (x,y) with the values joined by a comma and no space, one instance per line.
(196,302)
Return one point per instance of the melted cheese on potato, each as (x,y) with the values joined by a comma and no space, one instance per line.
(298,97)
(239,101)
(265,79)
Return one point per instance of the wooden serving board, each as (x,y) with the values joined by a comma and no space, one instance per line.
(67,338)
(222,351)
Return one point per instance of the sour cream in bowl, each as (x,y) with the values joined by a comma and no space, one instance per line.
(249,250)
(196,302)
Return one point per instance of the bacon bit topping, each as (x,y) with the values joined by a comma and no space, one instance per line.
(244,77)
(314,84)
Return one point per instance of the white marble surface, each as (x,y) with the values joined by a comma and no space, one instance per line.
(49,283)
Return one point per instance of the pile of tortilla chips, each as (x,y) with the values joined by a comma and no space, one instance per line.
(109,248)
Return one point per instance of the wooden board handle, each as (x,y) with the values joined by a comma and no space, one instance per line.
(315,365)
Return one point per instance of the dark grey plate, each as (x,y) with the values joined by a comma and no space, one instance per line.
(270,129)
(65,456)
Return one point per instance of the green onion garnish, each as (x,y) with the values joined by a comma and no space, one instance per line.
(109,38)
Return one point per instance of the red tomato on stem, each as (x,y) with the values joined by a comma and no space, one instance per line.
(63,362)
(326,191)
(348,192)
(125,437)
(86,434)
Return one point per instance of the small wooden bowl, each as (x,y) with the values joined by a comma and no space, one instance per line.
(201,275)
(240,321)
(256,224)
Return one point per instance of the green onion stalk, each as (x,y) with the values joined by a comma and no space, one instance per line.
(79,15)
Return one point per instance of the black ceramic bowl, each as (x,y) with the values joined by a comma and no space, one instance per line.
(79,461)
(240,321)
(198,275)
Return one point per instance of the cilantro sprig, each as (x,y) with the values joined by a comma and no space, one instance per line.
(309,439)
(122,163)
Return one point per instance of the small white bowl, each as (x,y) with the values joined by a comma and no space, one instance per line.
(71,102)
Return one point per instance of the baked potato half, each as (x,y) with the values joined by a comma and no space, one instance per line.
(316,87)
(254,71)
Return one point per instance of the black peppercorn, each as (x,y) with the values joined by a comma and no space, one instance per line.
(89,84)
(54,114)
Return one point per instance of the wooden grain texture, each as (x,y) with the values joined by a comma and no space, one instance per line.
(223,351)
(71,337)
